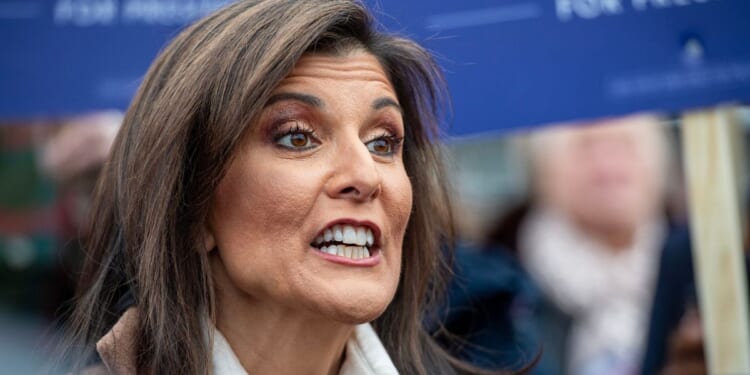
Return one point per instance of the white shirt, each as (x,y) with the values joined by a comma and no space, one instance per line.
(365,355)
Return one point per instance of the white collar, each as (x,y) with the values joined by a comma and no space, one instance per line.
(365,355)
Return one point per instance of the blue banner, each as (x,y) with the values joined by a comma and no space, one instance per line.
(63,57)
(523,63)
(509,63)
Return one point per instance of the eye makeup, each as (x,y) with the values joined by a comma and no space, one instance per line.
(285,118)
(288,126)
(296,138)
(384,144)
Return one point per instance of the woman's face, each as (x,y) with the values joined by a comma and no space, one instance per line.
(312,211)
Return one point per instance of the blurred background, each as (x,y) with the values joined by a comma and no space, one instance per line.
(562,146)
(606,176)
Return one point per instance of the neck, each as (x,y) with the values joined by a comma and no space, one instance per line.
(272,339)
(616,239)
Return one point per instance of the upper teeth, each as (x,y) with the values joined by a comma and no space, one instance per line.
(347,234)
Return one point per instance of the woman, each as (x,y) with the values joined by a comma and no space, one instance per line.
(274,188)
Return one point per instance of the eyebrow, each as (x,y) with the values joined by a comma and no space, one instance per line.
(386,102)
(314,101)
(304,98)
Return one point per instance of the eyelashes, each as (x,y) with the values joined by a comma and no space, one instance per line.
(385,144)
(300,137)
(296,138)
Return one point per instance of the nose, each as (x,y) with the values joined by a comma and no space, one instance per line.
(355,173)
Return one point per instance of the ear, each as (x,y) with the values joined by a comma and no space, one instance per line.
(209,243)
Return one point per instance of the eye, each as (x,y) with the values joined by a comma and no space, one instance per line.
(384,145)
(297,139)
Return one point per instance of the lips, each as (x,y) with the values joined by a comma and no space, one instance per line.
(353,240)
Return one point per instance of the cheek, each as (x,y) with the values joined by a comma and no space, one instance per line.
(401,193)
(261,201)
(257,211)
(398,196)
(405,202)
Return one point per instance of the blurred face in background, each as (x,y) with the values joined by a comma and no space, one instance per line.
(607,176)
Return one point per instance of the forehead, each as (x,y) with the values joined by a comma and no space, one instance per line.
(357,67)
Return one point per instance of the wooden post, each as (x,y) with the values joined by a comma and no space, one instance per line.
(711,165)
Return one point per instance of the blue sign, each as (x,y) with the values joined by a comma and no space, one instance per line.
(509,63)
(61,57)
(522,63)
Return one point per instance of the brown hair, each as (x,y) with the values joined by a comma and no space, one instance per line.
(198,99)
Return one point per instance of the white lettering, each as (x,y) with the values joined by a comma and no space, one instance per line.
(641,5)
(167,12)
(84,13)
(611,6)
(564,10)
(587,9)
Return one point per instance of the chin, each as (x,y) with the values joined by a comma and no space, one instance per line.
(355,317)
(358,306)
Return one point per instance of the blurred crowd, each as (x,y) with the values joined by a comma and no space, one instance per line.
(48,169)
(583,265)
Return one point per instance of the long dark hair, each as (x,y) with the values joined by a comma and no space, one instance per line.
(199,98)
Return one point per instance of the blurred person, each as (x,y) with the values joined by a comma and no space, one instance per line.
(49,167)
(592,241)
(675,341)
(72,154)
(674,344)
(273,204)
(573,269)
(79,146)
(686,354)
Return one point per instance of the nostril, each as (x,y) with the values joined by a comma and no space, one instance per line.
(350,190)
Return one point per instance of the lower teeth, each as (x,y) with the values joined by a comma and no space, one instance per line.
(352,252)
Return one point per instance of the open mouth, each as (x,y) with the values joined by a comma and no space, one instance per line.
(346,240)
